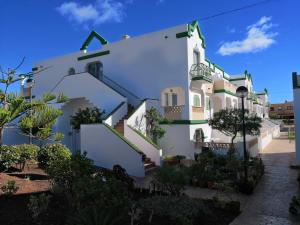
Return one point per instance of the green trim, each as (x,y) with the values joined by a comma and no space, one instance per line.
(93,55)
(182,122)
(225,91)
(241,78)
(211,65)
(91,36)
(133,146)
(202,78)
(112,112)
(190,30)
(145,137)
(182,34)
(257,103)
(35,69)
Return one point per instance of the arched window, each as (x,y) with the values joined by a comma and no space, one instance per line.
(71,71)
(96,69)
(196,101)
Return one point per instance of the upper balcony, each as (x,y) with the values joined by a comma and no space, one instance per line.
(201,72)
(224,86)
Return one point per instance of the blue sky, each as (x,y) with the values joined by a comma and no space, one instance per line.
(264,39)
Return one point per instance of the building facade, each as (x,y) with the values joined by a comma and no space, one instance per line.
(282,110)
(167,70)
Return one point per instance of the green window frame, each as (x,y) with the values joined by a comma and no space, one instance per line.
(196,101)
(207,103)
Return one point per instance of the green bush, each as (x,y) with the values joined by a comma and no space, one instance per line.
(9,155)
(169,179)
(79,183)
(10,187)
(26,152)
(182,210)
(52,152)
(38,204)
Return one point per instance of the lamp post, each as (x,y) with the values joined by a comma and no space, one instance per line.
(242,92)
(30,83)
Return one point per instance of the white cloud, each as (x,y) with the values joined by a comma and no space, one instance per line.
(258,38)
(100,12)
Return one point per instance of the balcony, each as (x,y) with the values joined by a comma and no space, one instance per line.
(222,85)
(198,113)
(201,72)
(173,112)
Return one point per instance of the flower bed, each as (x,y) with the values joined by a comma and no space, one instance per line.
(221,172)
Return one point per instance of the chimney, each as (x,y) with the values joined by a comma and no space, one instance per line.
(125,37)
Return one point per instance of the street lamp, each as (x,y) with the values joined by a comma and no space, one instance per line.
(30,83)
(242,92)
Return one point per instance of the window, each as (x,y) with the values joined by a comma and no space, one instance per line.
(71,71)
(279,108)
(96,69)
(174,99)
(272,109)
(289,107)
(196,57)
(197,101)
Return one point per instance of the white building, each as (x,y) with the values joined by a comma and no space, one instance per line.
(296,88)
(167,70)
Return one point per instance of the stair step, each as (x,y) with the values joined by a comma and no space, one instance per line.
(149,165)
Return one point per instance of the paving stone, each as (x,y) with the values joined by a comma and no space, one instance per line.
(270,201)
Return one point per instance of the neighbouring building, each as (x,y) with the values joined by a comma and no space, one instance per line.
(167,70)
(296,92)
(282,110)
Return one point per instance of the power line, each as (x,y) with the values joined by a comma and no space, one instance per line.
(235,10)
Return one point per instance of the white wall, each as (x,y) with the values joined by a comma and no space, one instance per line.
(107,149)
(71,136)
(114,118)
(178,139)
(145,65)
(87,86)
(148,149)
(297,122)
(138,120)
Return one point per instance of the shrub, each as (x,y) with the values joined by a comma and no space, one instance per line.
(27,152)
(38,204)
(86,116)
(10,187)
(9,155)
(180,209)
(82,187)
(295,206)
(95,215)
(52,152)
(170,180)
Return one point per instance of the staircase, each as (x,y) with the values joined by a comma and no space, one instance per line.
(148,164)
(120,125)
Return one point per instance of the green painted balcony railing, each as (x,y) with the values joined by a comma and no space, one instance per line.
(201,71)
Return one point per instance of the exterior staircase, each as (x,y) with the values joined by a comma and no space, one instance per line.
(120,125)
(148,164)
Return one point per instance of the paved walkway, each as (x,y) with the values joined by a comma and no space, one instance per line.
(270,202)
